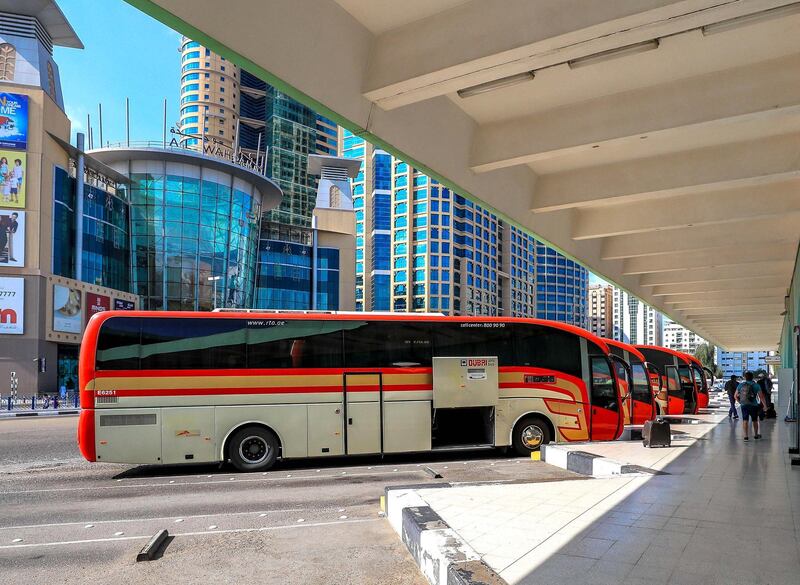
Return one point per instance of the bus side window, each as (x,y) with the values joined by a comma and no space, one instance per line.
(604,392)
(118,344)
(295,344)
(549,348)
(471,339)
(185,344)
(383,344)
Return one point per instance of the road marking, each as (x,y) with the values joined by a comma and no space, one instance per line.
(176,518)
(189,484)
(198,533)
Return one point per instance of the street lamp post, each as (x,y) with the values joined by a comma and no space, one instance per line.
(214,279)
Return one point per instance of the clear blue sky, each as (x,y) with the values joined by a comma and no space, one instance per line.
(127,54)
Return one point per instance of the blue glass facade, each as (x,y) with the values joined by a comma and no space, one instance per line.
(106,247)
(284,276)
(193,239)
(561,288)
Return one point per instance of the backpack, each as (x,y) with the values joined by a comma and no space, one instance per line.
(750,394)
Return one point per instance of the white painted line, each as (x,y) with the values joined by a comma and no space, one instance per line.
(187,484)
(176,519)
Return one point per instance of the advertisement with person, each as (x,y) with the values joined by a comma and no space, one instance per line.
(13,121)
(12,306)
(12,179)
(12,238)
(67,309)
(96,304)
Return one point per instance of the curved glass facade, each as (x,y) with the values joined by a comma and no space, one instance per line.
(106,249)
(194,237)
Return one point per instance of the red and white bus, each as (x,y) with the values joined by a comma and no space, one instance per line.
(679,392)
(246,387)
(638,403)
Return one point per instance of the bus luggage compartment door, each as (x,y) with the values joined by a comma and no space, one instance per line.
(188,435)
(460,382)
(362,413)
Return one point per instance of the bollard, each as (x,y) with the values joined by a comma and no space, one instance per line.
(55,402)
(75,400)
(33,402)
(9,403)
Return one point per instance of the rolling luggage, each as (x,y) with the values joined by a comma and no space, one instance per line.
(656,433)
(771,411)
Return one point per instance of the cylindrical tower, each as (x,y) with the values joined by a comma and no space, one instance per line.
(209,96)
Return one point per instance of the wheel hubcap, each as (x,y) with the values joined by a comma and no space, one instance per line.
(254,450)
(532,436)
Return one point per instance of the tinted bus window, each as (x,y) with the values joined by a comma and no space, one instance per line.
(381,344)
(185,344)
(604,391)
(118,344)
(476,339)
(546,347)
(641,385)
(294,344)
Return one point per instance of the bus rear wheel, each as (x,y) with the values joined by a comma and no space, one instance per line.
(253,449)
(530,433)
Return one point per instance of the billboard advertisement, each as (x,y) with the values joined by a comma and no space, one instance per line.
(123,305)
(96,304)
(12,179)
(12,306)
(12,238)
(13,121)
(67,309)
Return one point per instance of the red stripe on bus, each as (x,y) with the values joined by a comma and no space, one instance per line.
(129,392)
(257,372)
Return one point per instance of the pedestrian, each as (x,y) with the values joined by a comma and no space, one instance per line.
(766,386)
(730,389)
(749,394)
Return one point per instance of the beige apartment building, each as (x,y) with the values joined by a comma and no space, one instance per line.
(601,309)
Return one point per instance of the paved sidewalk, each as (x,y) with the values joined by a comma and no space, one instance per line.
(684,525)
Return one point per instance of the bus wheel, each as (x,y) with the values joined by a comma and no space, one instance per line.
(253,449)
(530,433)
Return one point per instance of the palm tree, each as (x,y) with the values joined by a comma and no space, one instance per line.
(706,352)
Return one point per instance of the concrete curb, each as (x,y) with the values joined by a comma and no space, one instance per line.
(584,463)
(440,553)
(29,413)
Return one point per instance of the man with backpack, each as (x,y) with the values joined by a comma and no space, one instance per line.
(749,394)
(730,389)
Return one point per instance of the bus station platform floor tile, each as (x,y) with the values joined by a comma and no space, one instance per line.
(720,511)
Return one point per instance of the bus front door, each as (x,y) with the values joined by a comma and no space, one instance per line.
(675,390)
(362,413)
(606,408)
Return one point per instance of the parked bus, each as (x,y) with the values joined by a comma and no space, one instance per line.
(679,392)
(701,381)
(245,387)
(638,398)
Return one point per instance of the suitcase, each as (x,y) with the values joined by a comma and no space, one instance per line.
(656,433)
(771,412)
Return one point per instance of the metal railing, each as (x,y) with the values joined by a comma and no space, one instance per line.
(39,403)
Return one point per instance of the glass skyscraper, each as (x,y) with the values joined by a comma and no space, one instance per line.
(421,247)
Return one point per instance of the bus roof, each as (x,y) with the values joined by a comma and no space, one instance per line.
(93,326)
(684,357)
(627,347)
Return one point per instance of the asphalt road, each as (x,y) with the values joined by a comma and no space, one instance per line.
(65,520)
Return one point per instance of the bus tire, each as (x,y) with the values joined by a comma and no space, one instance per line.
(253,449)
(530,433)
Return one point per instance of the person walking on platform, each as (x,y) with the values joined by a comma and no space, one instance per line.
(730,389)
(751,399)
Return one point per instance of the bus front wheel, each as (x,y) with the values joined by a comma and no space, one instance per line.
(530,433)
(253,449)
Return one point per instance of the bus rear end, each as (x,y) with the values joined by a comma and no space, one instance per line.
(86,376)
